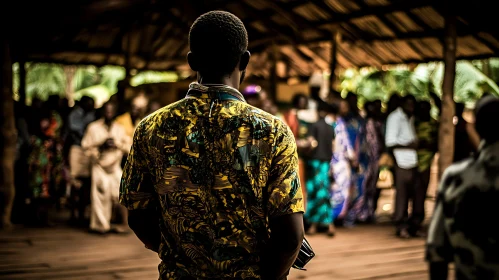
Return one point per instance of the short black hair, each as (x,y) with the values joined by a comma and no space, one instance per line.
(486,113)
(296,99)
(408,97)
(218,39)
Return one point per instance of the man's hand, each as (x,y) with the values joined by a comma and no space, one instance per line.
(286,237)
(108,144)
(145,224)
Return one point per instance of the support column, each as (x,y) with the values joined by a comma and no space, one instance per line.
(447,129)
(334,60)
(8,136)
(273,73)
(22,81)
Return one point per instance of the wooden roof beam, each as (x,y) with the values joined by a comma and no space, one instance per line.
(392,27)
(292,37)
(395,6)
(431,59)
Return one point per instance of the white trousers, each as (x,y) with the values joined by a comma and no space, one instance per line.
(104,194)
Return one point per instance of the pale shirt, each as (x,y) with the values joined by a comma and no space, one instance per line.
(97,133)
(400,131)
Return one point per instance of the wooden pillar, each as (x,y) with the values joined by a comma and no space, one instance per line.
(125,83)
(447,129)
(334,60)
(7,137)
(273,73)
(22,81)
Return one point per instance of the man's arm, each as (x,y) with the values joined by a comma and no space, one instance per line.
(284,208)
(137,194)
(439,252)
(145,224)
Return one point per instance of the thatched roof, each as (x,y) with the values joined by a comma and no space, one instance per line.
(154,32)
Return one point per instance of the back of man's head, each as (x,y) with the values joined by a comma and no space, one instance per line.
(486,115)
(217,40)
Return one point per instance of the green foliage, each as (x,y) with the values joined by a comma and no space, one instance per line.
(371,83)
(150,77)
(43,79)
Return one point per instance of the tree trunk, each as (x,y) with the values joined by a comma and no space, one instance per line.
(7,139)
(333,64)
(273,73)
(22,82)
(69,72)
(447,129)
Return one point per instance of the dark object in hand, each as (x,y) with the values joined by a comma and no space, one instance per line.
(109,144)
(306,254)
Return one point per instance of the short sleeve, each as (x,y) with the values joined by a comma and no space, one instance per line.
(438,248)
(137,189)
(392,130)
(285,194)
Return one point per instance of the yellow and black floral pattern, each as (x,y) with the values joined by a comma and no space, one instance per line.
(217,169)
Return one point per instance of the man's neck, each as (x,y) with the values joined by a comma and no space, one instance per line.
(108,123)
(226,80)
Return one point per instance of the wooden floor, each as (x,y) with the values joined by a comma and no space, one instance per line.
(363,252)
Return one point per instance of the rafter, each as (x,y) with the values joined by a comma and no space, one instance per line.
(396,5)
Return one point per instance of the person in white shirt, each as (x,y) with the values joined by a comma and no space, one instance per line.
(105,142)
(401,138)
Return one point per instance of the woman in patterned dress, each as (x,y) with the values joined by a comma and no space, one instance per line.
(341,165)
(375,143)
(45,166)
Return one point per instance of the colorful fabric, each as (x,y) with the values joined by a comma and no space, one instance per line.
(318,192)
(349,189)
(427,134)
(462,229)
(217,169)
(356,129)
(126,122)
(45,161)
(342,171)
(375,147)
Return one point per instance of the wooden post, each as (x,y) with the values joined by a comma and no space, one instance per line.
(273,73)
(8,137)
(334,60)
(447,130)
(22,81)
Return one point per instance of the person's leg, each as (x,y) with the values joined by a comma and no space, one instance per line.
(312,192)
(418,208)
(377,194)
(101,202)
(403,182)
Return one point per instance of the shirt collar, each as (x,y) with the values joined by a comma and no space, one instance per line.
(213,91)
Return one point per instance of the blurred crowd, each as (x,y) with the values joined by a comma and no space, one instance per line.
(349,153)
(71,158)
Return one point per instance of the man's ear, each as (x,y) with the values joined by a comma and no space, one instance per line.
(193,61)
(243,63)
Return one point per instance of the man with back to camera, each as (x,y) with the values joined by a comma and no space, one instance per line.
(463,230)
(211,183)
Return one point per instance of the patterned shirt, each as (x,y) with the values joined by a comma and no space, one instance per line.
(427,133)
(463,229)
(217,169)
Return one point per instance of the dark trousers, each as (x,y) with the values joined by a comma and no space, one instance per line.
(418,212)
(411,185)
